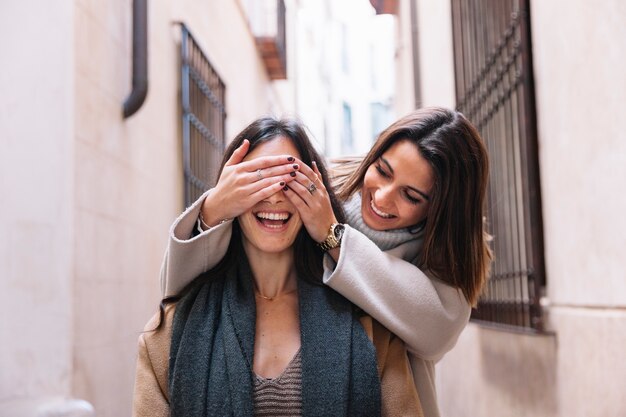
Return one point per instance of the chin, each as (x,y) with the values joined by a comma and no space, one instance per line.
(372,221)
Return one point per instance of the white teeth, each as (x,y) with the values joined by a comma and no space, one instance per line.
(380,213)
(272,216)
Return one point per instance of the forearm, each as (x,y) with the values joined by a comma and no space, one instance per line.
(186,257)
(426,313)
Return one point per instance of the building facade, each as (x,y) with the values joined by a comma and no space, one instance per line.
(573,366)
(89,195)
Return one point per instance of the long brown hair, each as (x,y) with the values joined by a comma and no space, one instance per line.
(307,255)
(456,246)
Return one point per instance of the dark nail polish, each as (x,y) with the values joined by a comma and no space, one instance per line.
(293,174)
(290,159)
(282,183)
(285,188)
(296,166)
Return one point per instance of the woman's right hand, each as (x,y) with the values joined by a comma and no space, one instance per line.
(243,184)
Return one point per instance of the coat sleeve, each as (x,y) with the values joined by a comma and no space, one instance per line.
(186,257)
(148,399)
(399,394)
(426,313)
(151,398)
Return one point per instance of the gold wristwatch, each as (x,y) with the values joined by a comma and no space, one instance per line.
(333,240)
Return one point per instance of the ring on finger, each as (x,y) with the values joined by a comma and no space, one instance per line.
(317,178)
(311,188)
(259,175)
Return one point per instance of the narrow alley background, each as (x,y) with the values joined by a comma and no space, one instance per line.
(89,187)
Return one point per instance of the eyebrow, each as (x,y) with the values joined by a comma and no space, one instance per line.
(420,192)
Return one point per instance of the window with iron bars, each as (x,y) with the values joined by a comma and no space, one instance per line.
(203,118)
(494,89)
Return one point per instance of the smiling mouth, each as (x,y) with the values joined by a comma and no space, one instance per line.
(380,213)
(272,220)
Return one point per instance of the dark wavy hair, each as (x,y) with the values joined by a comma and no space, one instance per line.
(307,255)
(456,246)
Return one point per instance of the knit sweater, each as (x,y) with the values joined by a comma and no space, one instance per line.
(426,313)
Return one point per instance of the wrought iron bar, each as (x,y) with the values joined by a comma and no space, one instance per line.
(494,85)
(203,118)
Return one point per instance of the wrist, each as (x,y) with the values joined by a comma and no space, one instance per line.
(209,215)
(334,237)
(322,233)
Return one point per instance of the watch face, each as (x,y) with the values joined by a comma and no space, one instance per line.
(338,232)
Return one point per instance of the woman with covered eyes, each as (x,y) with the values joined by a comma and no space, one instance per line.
(259,334)
(413,252)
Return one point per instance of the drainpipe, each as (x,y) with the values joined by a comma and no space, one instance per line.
(140,58)
(417,79)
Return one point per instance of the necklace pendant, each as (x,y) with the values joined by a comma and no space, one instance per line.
(265,297)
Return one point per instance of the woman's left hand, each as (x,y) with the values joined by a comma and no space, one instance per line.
(310,197)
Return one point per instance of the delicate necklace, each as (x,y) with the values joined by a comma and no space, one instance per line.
(265,297)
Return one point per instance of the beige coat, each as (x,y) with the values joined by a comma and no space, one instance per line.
(151,399)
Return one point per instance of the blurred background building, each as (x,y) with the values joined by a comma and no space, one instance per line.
(93,171)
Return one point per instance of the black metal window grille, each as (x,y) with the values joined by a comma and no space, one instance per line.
(494,89)
(204,118)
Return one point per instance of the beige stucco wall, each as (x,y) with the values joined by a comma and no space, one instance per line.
(581,91)
(579,369)
(36,177)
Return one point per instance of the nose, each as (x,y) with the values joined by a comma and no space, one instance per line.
(275,198)
(383,197)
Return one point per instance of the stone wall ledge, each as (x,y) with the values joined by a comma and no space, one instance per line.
(46,407)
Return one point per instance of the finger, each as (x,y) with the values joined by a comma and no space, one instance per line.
(257,186)
(305,169)
(266,162)
(306,182)
(319,179)
(297,201)
(266,192)
(274,171)
(239,153)
(302,192)
(317,172)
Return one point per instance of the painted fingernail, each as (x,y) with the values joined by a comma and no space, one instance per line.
(296,166)
(293,174)
(285,188)
(282,183)
(290,159)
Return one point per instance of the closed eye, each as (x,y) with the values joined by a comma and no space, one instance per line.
(412,199)
(382,171)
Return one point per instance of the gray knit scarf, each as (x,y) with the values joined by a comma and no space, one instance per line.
(385,240)
(213,343)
